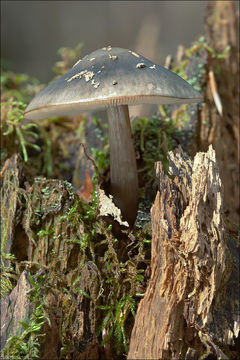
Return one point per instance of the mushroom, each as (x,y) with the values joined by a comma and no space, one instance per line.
(114,78)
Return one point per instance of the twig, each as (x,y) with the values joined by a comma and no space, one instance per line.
(91,159)
(5,166)
(213,87)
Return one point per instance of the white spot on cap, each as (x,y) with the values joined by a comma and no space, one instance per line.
(140,65)
(112,57)
(133,53)
(79,75)
(88,75)
(77,62)
(95,84)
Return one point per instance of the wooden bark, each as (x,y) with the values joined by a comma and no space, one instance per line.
(14,308)
(219,117)
(190,265)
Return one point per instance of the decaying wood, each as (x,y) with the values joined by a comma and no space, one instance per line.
(220,115)
(190,264)
(48,229)
(35,231)
(15,307)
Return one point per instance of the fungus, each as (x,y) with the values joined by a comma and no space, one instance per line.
(134,82)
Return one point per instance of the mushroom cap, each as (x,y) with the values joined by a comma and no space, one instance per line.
(108,77)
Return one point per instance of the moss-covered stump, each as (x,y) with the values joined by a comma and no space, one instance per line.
(87,273)
(185,311)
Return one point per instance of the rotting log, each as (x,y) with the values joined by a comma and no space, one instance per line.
(185,311)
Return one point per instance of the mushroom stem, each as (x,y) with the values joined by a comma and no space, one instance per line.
(123,167)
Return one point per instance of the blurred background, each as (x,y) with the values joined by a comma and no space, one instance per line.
(33,31)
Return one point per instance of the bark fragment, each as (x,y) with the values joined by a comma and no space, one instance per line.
(15,307)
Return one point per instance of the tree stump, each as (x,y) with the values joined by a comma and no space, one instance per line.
(37,230)
(185,298)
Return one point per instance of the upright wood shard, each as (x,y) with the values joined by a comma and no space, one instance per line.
(15,307)
(222,130)
(189,267)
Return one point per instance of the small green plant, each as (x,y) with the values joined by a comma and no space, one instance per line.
(12,126)
(115,318)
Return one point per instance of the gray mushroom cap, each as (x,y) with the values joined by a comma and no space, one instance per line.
(107,77)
